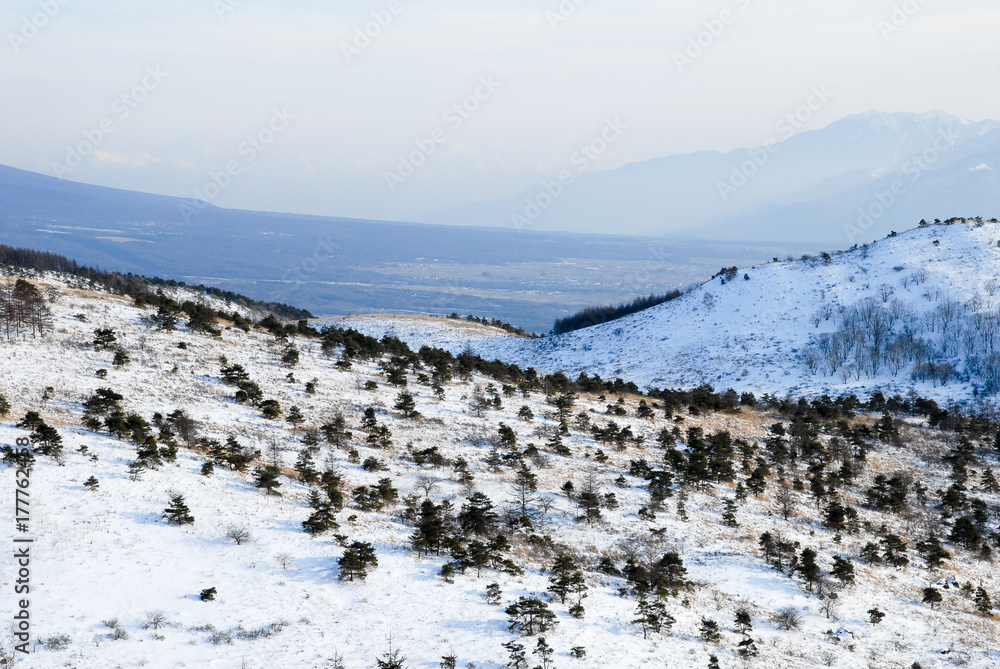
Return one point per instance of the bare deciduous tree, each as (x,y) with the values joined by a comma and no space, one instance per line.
(239,534)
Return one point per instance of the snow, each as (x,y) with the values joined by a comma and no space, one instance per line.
(749,333)
(108,554)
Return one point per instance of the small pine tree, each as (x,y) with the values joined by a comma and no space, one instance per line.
(747,648)
(208,594)
(4,406)
(295,417)
(178,512)
(808,568)
(729,514)
(493,594)
(121,358)
(530,616)
(391,659)
(91,484)
(742,623)
(405,405)
(306,466)
(652,616)
(875,616)
(842,570)
(208,468)
(104,338)
(356,561)
(709,630)
(984,604)
(713,662)
(545,652)
(932,597)
(515,655)
(268,479)
(870,554)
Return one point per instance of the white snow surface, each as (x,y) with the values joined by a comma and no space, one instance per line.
(108,554)
(750,333)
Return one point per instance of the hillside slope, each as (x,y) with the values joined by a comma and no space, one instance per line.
(105,561)
(917,311)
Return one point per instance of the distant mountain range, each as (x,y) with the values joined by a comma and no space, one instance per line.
(337,266)
(814,186)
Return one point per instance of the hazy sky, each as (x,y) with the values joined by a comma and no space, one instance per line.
(333,112)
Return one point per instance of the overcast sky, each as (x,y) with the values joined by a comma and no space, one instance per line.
(555,72)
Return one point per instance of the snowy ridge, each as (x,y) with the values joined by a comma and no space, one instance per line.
(105,559)
(760,329)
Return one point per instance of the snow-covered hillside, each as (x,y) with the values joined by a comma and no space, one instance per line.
(104,560)
(931,294)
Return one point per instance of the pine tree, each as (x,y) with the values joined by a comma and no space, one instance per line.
(267,479)
(808,568)
(875,616)
(713,662)
(493,594)
(709,630)
(391,659)
(742,623)
(747,648)
(729,514)
(545,652)
(932,596)
(989,481)
(121,358)
(870,554)
(515,655)
(306,466)
(530,616)
(178,512)
(406,405)
(984,604)
(208,594)
(335,432)
(104,339)
(933,553)
(478,517)
(894,551)
(91,484)
(652,616)
(295,417)
(321,518)
(842,570)
(358,558)
(563,573)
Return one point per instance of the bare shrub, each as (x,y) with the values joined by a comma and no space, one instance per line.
(787,618)
(239,534)
(155,620)
(60,642)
